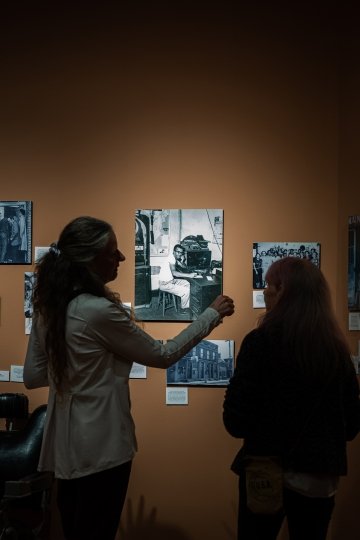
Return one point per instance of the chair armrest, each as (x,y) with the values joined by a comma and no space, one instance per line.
(28,485)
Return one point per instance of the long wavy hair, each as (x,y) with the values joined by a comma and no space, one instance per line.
(304,317)
(62,274)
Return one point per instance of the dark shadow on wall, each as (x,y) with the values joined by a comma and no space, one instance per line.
(140,525)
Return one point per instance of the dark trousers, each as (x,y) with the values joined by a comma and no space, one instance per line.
(308,517)
(90,507)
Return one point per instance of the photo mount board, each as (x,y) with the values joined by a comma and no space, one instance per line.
(178,262)
(210,363)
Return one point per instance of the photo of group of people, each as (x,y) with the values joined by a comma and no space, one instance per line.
(265,253)
(15,232)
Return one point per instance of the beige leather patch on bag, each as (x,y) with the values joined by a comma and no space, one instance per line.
(264,484)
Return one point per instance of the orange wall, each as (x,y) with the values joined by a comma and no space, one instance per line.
(219,109)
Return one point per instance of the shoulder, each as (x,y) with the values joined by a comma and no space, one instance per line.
(254,338)
(89,301)
(255,345)
(95,308)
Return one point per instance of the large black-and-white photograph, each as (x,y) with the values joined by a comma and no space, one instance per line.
(265,253)
(209,363)
(15,232)
(354,264)
(178,262)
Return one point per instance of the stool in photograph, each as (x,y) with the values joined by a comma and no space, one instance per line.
(167,300)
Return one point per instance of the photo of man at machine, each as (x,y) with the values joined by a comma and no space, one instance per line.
(178,262)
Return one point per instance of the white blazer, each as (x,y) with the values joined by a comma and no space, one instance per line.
(89,427)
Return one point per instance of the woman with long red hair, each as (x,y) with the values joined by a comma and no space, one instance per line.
(294,395)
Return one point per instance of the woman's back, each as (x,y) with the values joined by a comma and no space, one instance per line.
(279,410)
(294,396)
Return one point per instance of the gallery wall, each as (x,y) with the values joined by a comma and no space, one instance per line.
(106,112)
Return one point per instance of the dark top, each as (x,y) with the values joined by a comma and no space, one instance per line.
(182,267)
(277,411)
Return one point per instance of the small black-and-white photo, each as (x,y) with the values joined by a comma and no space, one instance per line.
(265,253)
(209,363)
(354,264)
(15,232)
(178,262)
(29,284)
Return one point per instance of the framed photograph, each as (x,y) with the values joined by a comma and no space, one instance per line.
(178,262)
(354,264)
(29,284)
(15,232)
(209,363)
(265,253)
